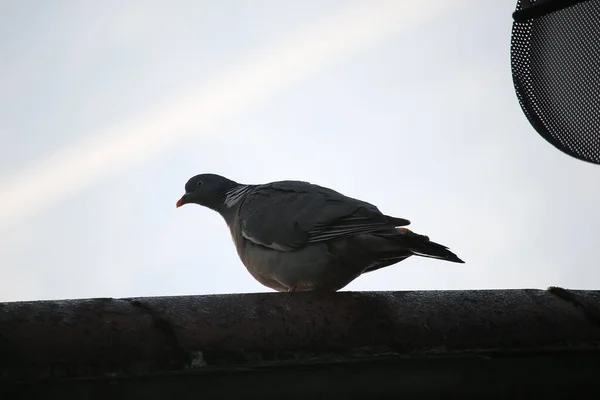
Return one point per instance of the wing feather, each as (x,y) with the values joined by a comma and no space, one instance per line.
(288,215)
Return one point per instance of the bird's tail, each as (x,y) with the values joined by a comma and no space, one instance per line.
(420,245)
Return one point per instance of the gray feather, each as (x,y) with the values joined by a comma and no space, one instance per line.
(288,215)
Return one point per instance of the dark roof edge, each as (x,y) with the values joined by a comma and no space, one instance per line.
(92,337)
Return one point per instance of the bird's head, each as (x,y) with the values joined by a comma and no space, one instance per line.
(207,190)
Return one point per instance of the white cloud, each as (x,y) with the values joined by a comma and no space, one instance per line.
(142,137)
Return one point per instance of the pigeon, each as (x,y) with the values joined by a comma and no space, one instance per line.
(295,236)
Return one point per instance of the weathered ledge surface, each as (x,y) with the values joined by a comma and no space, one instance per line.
(481,342)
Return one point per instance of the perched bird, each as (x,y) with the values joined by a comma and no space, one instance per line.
(297,236)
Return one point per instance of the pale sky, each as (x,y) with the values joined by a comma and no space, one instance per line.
(108,108)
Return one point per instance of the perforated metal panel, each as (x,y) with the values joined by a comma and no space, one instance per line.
(555,60)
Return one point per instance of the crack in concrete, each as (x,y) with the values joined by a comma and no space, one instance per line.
(165,327)
(591,314)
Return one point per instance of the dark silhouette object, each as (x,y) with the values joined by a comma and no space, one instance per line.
(555,59)
(423,344)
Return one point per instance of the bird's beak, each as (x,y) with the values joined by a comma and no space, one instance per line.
(181,201)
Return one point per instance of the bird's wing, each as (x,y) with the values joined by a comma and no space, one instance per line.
(290,214)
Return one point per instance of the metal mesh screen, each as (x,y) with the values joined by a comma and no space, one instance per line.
(555,60)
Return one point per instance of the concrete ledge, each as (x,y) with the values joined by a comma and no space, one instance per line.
(60,344)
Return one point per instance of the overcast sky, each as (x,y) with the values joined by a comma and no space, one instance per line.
(108,108)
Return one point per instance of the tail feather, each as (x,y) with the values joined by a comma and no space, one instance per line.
(420,245)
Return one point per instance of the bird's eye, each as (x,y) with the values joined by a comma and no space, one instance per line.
(199,183)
